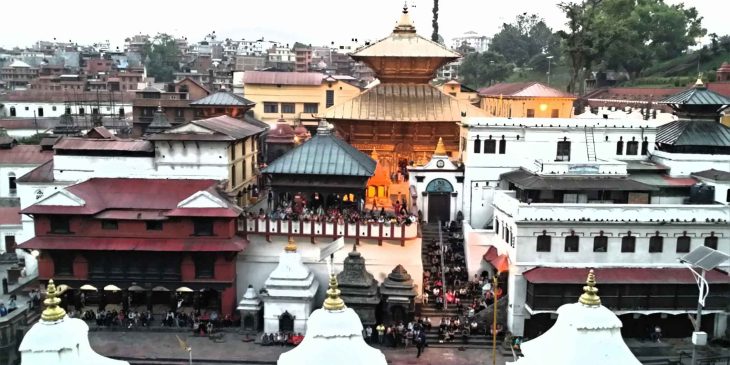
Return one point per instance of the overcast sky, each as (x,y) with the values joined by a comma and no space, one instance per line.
(316,22)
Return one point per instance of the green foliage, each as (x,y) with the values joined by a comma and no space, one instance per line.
(486,68)
(626,34)
(435,21)
(525,38)
(162,57)
(34,139)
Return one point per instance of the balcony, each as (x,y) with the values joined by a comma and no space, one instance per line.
(609,213)
(326,230)
(600,167)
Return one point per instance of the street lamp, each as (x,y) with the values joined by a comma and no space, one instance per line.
(705,259)
(550,59)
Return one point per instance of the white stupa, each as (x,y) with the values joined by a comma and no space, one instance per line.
(334,336)
(585,332)
(58,339)
(289,292)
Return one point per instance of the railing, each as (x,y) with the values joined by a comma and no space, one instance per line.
(380,231)
(609,213)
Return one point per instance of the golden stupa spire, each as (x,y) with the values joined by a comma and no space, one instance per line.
(53,312)
(333,301)
(699,83)
(291,246)
(374,155)
(590,292)
(440,148)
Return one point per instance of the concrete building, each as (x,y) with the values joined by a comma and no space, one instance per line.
(526,100)
(294,95)
(18,75)
(471,39)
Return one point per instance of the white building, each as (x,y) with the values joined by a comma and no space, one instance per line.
(289,294)
(281,54)
(440,183)
(480,43)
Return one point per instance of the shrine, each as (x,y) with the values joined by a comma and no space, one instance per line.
(398,292)
(250,309)
(359,288)
(403,116)
(289,293)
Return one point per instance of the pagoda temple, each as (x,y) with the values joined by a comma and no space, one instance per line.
(403,116)
(398,292)
(359,288)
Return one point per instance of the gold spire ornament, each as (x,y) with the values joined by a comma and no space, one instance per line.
(291,246)
(699,83)
(440,148)
(590,292)
(53,312)
(333,301)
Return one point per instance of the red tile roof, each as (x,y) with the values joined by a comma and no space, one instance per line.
(9,215)
(63,96)
(102,194)
(197,243)
(524,90)
(282,78)
(620,275)
(42,124)
(25,155)
(42,173)
(224,127)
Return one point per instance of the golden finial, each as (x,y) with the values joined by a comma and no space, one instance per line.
(53,312)
(374,155)
(291,246)
(333,301)
(405,25)
(699,82)
(440,148)
(590,292)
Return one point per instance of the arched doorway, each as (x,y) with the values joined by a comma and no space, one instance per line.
(439,200)
(248,322)
(286,322)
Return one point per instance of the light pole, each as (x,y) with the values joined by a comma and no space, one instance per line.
(550,59)
(494,321)
(704,259)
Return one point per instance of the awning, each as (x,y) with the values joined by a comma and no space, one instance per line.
(621,275)
(664,181)
(500,262)
(198,244)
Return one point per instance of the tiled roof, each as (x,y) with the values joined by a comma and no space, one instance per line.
(25,155)
(694,133)
(9,215)
(223,98)
(222,128)
(527,180)
(698,95)
(712,174)
(88,144)
(282,78)
(63,96)
(42,173)
(100,194)
(281,133)
(403,102)
(323,155)
(524,90)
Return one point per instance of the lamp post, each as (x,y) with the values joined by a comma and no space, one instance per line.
(704,259)
(495,282)
(550,59)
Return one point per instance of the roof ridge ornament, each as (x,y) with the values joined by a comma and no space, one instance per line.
(52,312)
(405,24)
(440,148)
(590,292)
(323,128)
(699,84)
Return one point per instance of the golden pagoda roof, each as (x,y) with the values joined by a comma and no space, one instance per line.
(404,103)
(381,176)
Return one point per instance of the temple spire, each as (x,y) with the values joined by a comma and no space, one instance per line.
(291,246)
(405,24)
(440,148)
(323,129)
(333,301)
(699,84)
(53,312)
(590,292)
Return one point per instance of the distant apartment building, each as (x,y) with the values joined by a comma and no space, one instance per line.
(249,62)
(479,43)
(303,56)
(17,75)
(174,101)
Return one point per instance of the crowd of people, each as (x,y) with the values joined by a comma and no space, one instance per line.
(300,209)
(281,339)
(447,281)
(200,324)
(399,335)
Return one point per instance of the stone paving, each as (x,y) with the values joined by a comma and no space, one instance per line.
(151,345)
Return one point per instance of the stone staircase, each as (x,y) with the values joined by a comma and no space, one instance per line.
(430,232)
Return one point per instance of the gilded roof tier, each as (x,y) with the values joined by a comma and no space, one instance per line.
(404,103)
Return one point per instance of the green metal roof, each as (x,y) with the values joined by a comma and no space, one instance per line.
(698,95)
(323,155)
(694,133)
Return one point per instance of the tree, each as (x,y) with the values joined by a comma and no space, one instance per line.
(481,69)
(162,57)
(523,39)
(435,22)
(577,41)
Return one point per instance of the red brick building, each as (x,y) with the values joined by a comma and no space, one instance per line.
(145,244)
